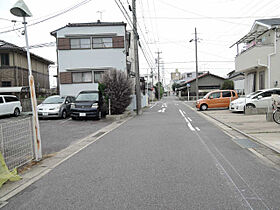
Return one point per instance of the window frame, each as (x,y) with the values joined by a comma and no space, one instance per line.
(82,77)
(6,59)
(92,42)
(94,72)
(227,93)
(80,45)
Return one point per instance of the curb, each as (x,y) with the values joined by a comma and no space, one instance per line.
(120,116)
(239,131)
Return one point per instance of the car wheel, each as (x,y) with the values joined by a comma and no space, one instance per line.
(64,114)
(203,107)
(250,106)
(16,112)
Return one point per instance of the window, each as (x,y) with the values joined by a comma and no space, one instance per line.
(6,84)
(1,100)
(10,99)
(83,43)
(262,80)
(5,59)
(102,43)
(226,94)
(82,77)
(215,95)
(233,94)
(98,76)
(267,94)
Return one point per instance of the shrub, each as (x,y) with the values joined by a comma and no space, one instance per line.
(156,90)
(228,85)
(118,88)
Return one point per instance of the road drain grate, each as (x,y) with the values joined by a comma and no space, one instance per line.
(98,134)
(246,143)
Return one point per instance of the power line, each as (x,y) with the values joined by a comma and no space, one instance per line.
(210,17)
(51,17)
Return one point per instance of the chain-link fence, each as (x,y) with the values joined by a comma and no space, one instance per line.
(16,143)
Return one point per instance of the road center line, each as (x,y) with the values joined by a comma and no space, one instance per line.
(197,128)
(187,121)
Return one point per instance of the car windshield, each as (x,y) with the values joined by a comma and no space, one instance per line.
(53,100)
(87,97)
(252,94)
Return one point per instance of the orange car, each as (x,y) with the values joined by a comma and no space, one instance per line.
(216,99)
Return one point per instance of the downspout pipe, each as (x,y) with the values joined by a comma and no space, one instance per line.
(269,57)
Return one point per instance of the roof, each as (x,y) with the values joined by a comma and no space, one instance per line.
(183,85)
(268,23)
(9,46)
(98,23)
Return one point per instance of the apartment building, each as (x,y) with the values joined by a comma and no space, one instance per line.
(258,55)
(86,50)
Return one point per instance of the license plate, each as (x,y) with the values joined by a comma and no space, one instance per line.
(45,114)
(82,114)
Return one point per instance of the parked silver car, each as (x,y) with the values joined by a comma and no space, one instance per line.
(55,106)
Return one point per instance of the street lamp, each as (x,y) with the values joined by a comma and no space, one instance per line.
(21,10)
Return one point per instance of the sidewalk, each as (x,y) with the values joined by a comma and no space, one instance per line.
(253,126)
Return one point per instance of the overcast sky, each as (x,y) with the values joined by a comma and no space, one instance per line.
(164,25)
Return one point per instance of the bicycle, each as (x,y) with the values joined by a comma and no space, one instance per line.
(276,115)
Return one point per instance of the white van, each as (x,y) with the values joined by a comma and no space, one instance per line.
(10,105)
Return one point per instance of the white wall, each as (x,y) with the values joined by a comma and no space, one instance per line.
(90,59)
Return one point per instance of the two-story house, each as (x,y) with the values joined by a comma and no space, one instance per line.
(14,67)
(258,55)
(86,50)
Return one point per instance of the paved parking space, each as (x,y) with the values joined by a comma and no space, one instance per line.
(57,134)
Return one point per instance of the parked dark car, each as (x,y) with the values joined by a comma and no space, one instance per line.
(55,106)
(88,104)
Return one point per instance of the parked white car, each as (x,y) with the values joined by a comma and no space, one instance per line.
(258,99)
(10,104)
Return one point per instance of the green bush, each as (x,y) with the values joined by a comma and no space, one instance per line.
(117,87)
(156,90)
(228,85)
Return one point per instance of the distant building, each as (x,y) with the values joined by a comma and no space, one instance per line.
(175,76)
(191,75)
(206,82)
(86,50)
(238,79)
(14,68)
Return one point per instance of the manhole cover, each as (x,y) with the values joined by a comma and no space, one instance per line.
(246,143)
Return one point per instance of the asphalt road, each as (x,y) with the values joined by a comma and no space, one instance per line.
(168,158)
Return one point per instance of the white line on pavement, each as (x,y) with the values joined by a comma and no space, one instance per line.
(153,105)
(187,121)
(163,109)
(197,128)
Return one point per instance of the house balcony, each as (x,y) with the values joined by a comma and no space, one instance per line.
(253,57)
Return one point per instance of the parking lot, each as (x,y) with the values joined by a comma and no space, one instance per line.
(57,134)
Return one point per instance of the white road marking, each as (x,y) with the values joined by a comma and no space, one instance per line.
(187,121)
(153,105)
(197,128)
(65,121)
(160,110)
(163,110)
(184,112)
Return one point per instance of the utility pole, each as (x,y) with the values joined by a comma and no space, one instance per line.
(152,73)
(196,65)
(158,75)
(136,59)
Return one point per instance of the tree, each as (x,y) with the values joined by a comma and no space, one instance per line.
(228,85)
(117,87)
(174,86)
(161,90)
